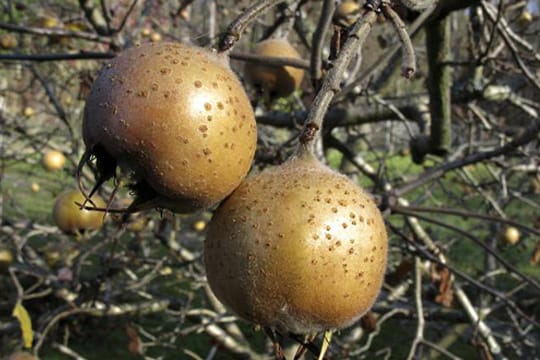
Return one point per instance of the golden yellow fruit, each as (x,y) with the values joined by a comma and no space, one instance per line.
(279,81)
(35,187)
(177,118)
(155,37)
(53,160)
(299,248)
(510,235)
(48,22)
(28,111)
(138,224)
(70,218)
(199,225)
(146,32)
(525,18)
(8,41)
(6,258)
(53,254)
(347,12)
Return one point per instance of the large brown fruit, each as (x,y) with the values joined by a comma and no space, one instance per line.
(299,248)
(279,81)
(177,119)
(70,218)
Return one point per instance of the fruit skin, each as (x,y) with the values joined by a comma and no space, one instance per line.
(199,225)
(347,12)
(299,248)
(281,81)
(35,187)
(53,160)
(155,37)
(176,118)
(70,219)
(21,355)
(510,235)
(28,111)
(8,41)
(525,18)
(6,258)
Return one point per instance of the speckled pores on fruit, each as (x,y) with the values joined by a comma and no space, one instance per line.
(177,118)
(299,248)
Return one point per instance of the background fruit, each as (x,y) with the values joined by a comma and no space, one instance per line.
(28,111)
(69,218)
(177,118)
(6,258)
(510,235)
(299,248)
(35,187)
(199,225)
(347,12)
(8,41)
(53,160)
(280,81)
(155,37)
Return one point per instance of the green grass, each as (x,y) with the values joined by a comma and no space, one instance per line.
(21,203)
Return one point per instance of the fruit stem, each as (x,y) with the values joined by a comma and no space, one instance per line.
(237,27)
(331,84)
(325,344)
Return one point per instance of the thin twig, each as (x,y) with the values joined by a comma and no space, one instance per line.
(237,27)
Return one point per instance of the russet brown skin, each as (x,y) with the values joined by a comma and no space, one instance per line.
(299,248)
(347,12)
(70,218)
(177,118)
(281,81)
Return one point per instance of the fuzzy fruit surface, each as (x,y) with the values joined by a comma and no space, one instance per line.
(299,248)
(276,80)
(70,218)
(175,117)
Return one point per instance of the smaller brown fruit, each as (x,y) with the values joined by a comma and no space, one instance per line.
(70,218)
(281,81)
(8,41)
(347,12)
